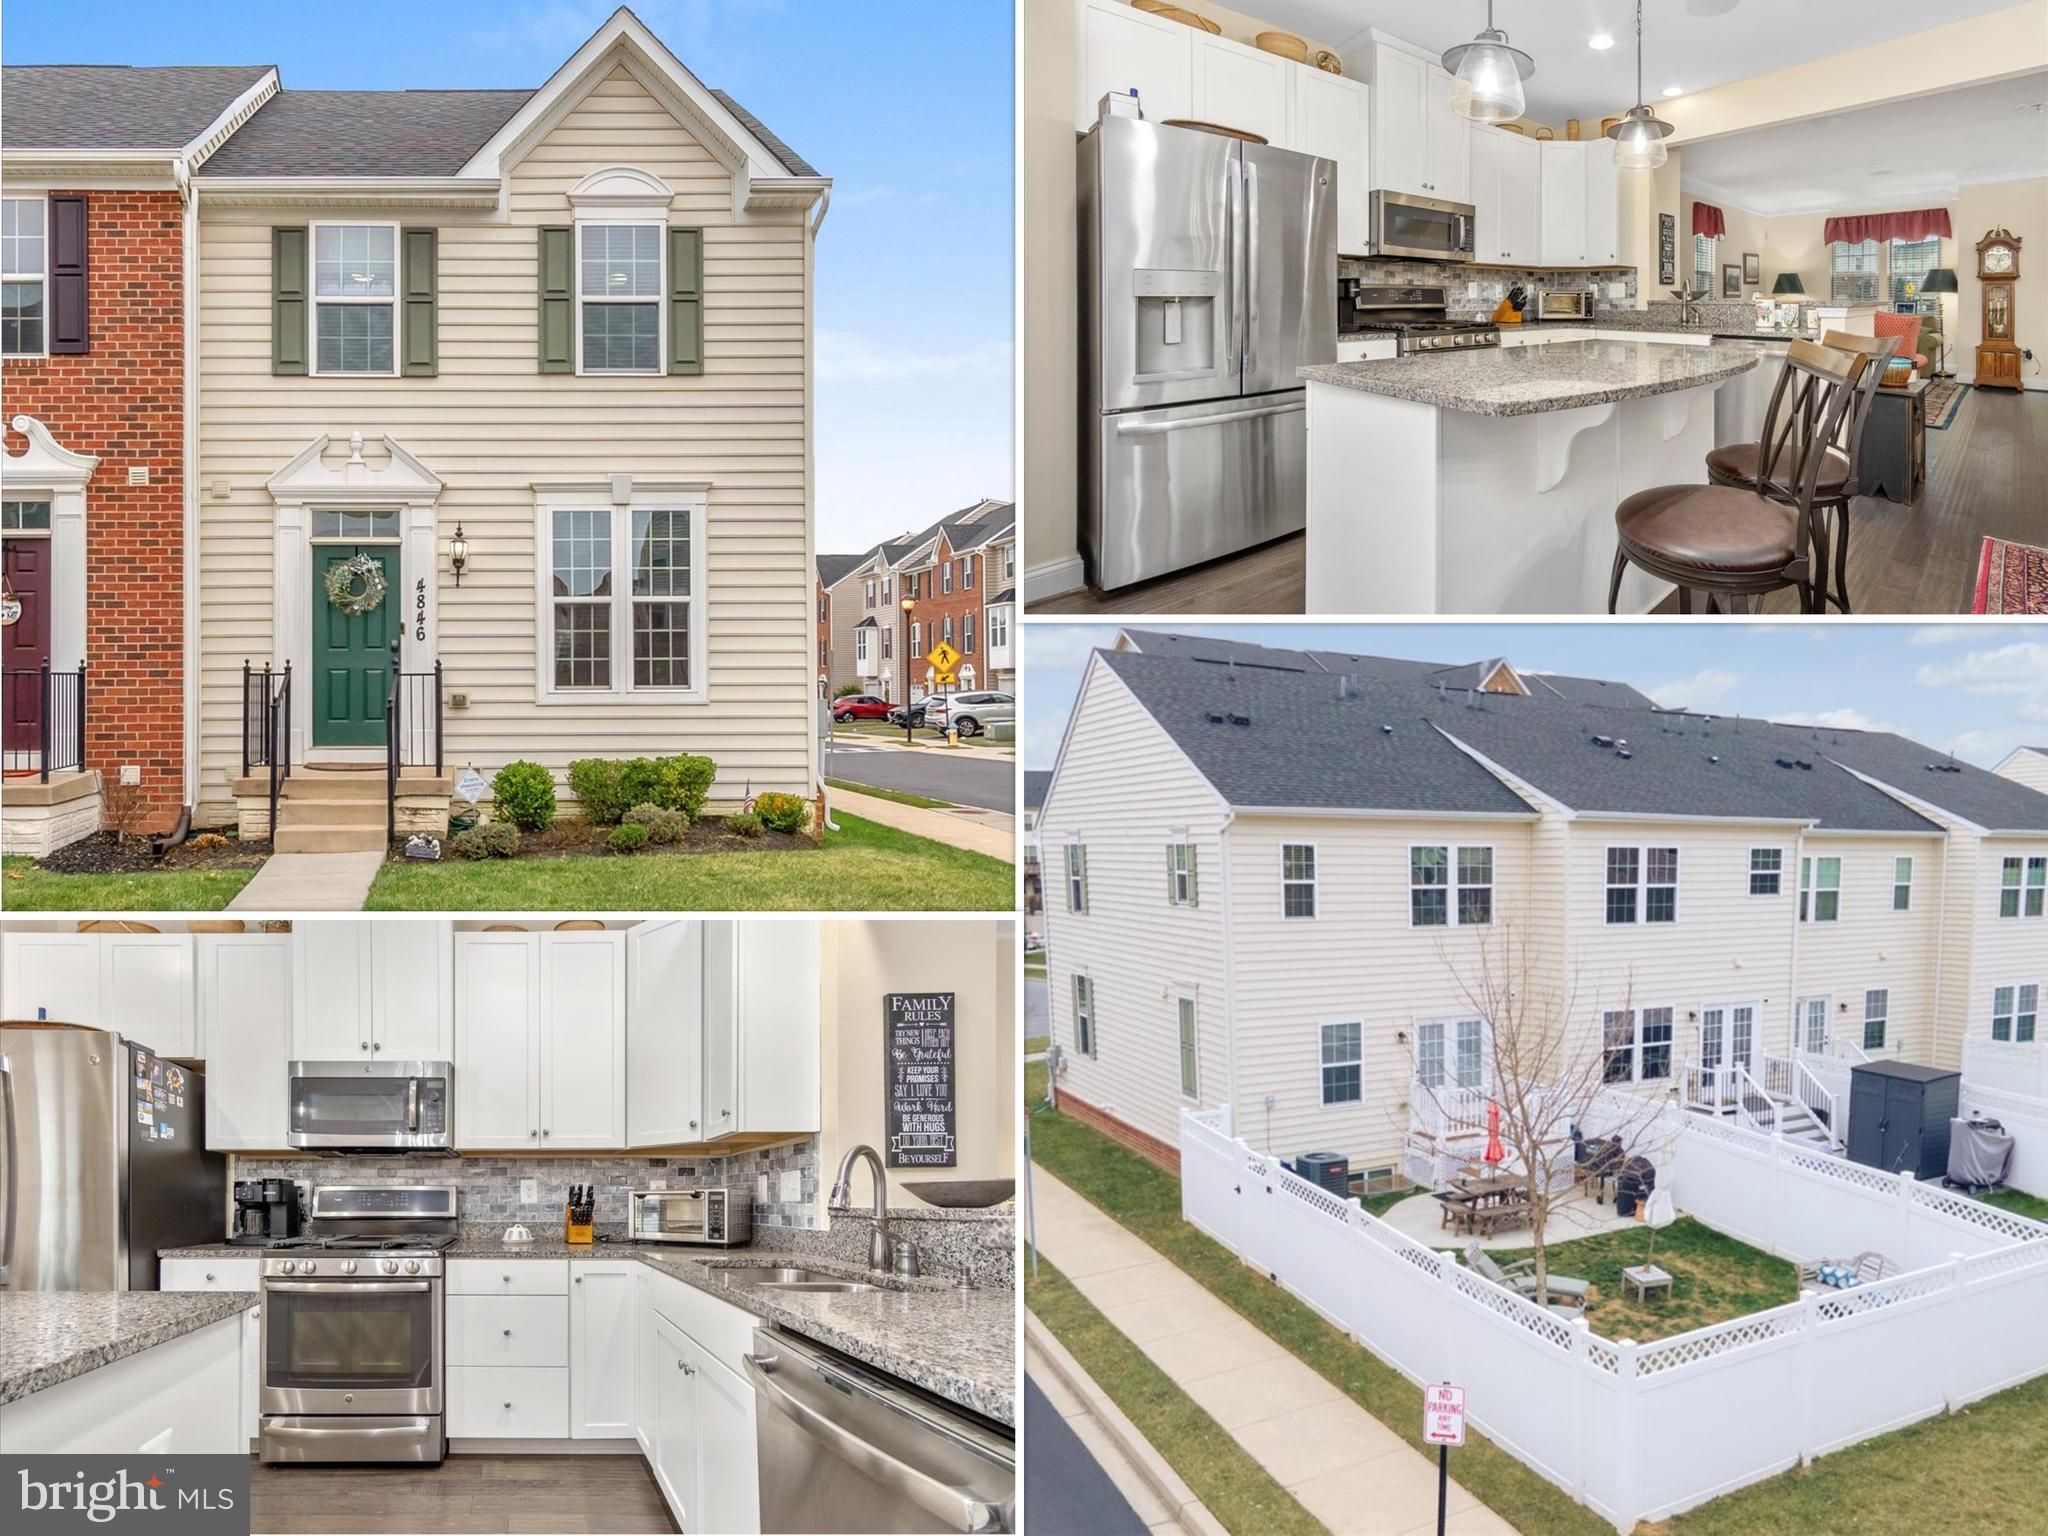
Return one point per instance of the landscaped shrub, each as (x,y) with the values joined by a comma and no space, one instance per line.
(627,839)
(609,787)
(492,840)
(783,813)
(845,688)
(684,781)
(206,842)
(743,824)
(524,794)
(662,826)
(594,781)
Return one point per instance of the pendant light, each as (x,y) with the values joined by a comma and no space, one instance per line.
(1639,137)
(1487,76)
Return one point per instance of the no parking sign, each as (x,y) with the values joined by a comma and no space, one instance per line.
(1443,1414)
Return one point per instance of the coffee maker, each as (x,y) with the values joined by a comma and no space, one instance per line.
(266,1210)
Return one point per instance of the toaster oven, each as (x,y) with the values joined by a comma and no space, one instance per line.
(713,1218)
(1564,304)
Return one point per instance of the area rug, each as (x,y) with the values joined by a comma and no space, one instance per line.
(2011,578)
(1944,399)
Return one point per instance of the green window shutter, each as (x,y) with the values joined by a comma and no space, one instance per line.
(288,300)
(1084,880)
(1194,876)
(421,290)
(557,299)
(686,301)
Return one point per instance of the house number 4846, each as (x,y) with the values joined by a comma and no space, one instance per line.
(419,609)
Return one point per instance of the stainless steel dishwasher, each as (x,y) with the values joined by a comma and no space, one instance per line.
(845,1449)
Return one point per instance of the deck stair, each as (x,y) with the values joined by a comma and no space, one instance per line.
(342,809)
(1783,1097)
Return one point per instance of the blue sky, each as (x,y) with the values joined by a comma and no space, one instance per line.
(1977,689)
(906,106)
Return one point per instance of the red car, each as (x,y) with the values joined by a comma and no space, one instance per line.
(860,706)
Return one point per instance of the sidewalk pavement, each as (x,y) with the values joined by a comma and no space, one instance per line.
(1345,1467)
(989,832)
(310,882)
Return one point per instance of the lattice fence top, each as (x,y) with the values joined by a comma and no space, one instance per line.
(1859,1301)
(1544,1325)
(1722,1338)
(1990,1217)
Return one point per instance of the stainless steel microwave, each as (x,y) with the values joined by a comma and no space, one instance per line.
(372,1106)
(714,1218)
(1426,228)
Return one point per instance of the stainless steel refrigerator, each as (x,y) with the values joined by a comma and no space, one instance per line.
(105,1160)
(1208,277)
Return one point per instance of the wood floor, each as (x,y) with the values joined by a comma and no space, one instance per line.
(1986,474)
(568,1494)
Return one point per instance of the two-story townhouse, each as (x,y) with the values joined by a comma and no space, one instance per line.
(96,244)
(515,387)
(1288,881)
(832,570)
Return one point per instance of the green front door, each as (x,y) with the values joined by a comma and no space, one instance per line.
(352,651)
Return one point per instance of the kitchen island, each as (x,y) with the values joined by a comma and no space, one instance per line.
(1485,481)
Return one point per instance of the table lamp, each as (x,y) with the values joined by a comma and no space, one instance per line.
(1788,283)
(1939,280)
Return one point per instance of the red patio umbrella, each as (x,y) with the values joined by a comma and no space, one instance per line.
(1495,1154)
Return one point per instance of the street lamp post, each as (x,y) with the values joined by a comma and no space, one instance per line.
(908,604)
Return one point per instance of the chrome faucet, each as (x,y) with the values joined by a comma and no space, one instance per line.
(880,1247)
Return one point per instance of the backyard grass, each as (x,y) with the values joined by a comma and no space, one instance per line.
(900,796)
(1237,1490)
(1146,1199)
(24,887)
(1035,1044)
(862,867)
(1713,1278)
(2019,1202)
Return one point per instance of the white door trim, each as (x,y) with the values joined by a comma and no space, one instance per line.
(46,468)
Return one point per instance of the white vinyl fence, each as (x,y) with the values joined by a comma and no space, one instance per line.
(2025,1115)
(1642,1432)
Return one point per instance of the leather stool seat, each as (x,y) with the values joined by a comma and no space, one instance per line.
(1719,528)
(1737,461)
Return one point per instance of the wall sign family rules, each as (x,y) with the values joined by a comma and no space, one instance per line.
(917,1079)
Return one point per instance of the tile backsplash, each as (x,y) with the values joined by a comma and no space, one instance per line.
(1492,282)
(490,1185)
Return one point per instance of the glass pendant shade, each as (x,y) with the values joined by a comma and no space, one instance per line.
(1639,142)
(1488,86)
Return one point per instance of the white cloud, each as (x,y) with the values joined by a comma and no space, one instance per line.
(2019,670)
(1839,720)
(850,355)
(1988,748)
(1945,634)
(1704,690)
(867,196)
(1048,644)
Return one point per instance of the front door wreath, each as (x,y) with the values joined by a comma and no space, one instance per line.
(342,590)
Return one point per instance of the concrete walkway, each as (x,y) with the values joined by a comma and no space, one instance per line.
(310,882)
(988,832)
(1345,1467)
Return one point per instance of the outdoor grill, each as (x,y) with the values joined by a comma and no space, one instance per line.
(1633,1184)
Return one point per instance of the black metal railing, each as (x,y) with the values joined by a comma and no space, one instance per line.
(412,731)
(267,729)
(44,714)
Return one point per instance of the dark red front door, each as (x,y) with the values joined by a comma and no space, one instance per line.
(24,644)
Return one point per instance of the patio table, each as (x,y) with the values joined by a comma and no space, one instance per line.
(1646,1278)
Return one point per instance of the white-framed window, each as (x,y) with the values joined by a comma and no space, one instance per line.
(1451,1051)
(945,576)
(1190,1044)
(998,627)
(1902,884)
(622,596)
(946,630)
(1636,1044)
(1910,261)
(1009,563)
(1077,877)
(1877,1009)
(1704,273)
(967,573)
(1766,871)
(1297,879)
(1444,880)
(967,634)
(1852,272)
(2016,1012)
(2022,885)
(1642,885)
(1342,1049)
(1820,889)
(1084,1016)
(888,644)
(24,276)
(620,288)
(916,638)
(1183,883)
(888,589)
(25,515)
(966,676)
(868,594)
(354,313)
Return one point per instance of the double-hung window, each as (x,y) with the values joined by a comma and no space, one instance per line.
(1084,1016)
(967,633)
(1637,1044)
(967,573)
(1190,1052)
(888,643)
(2022,885)
(2015,1011)
(1433,895)
(1877,1007)
(1910,261)
(1077,878)
(1766,869)
(1902,885)
(998,627)
(1852,272)
(1182,888)
(1704,273)
(619,296)
(623,596)
(1343,1062)
(945,576)
(24,276)
(1642,885)
(1820,890)
(1297,880)
(355,298)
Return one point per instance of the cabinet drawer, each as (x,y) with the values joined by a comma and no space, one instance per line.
(210,1275)
(508,1277)
(504,1402)
(508,1330)
(721,1330)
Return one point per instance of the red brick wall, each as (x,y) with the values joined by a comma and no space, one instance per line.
(124,400)
(935,606)
(1150,1148)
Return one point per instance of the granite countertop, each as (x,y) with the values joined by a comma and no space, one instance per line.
(1647,320)
(51,1336)
(1526,381)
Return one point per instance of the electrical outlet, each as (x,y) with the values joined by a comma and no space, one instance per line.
(792,1186)
(761,1189)
(529,1191)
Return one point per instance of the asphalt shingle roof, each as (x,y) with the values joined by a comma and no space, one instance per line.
(116,106)
(365,133)
(1035,780)
(1963,789)
(833,569)
(792,162)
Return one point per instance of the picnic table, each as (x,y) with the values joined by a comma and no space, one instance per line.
(1483,1206)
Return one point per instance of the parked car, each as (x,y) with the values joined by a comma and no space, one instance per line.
(860,706)
(970,713)
(915,712)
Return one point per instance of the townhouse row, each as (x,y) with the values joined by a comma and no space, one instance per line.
(492,405)
(1309,885)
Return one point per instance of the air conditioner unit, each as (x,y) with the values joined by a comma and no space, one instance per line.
(1326,1169)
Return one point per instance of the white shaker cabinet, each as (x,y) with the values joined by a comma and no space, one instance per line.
(1419,145)
(1119,48)
(1332,118)
(760,1027)
(245,1016)
(603,1314)
(374,992)
(497,1032)
(728,1483)
(1242,88)
(665,1033)
(54,976)
(1564,204)
(583,1041)
(674,1433)
(331,987)
(1447,163)
(1507,191)
(1603,204)
(136,984)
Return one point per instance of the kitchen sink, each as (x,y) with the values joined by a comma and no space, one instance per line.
(769,1274)
(846,1287)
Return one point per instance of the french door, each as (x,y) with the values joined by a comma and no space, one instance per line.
(1727,1041)
(1810,1026)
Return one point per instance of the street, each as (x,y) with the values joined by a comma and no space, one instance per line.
(1066,1492)
(959,775)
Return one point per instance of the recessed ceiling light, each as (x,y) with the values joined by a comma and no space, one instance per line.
(1710,7)
(1674,90)
(1600,42)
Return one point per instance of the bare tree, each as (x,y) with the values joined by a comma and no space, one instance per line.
(1552,1073)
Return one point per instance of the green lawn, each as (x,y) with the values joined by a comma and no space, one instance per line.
(900,796)
(861,867)
(1034,963)
(1033,1044)
(1237,1490)
(2019,1203)
(26,888)
(1713,1278)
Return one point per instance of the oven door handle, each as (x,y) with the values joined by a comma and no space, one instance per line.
(349,1287)
(412,1104)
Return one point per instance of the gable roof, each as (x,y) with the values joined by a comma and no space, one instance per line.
(833,569)
(1035,781)
(117,106)
(365,133)
(1992,801)
(792,162)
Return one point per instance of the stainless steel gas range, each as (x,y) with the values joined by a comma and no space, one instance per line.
(1418,319)
(352,1327)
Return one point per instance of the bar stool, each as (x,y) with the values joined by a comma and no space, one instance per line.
(1742,542)
(1735,463)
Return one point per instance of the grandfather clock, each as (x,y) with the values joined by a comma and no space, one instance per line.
(1998,272)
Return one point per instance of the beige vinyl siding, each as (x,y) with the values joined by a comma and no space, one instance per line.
(847,612)
(1358,958)
(2005,949)
(2028,766)
(1871,945)
(1124,790)
(490,425)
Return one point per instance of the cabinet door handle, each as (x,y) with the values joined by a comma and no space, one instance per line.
(508,1333)
(209,1279)
(579,1279)
(508,1279)
(362,1045)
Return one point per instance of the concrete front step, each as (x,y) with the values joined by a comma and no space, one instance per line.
(331,813)
(322,837)
(314,784)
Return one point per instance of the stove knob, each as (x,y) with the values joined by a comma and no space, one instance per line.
(389,1266)
(307,1266)
(348,1266)
(412,1266)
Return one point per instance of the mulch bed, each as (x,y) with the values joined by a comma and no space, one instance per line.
(107,853)
(579,840)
